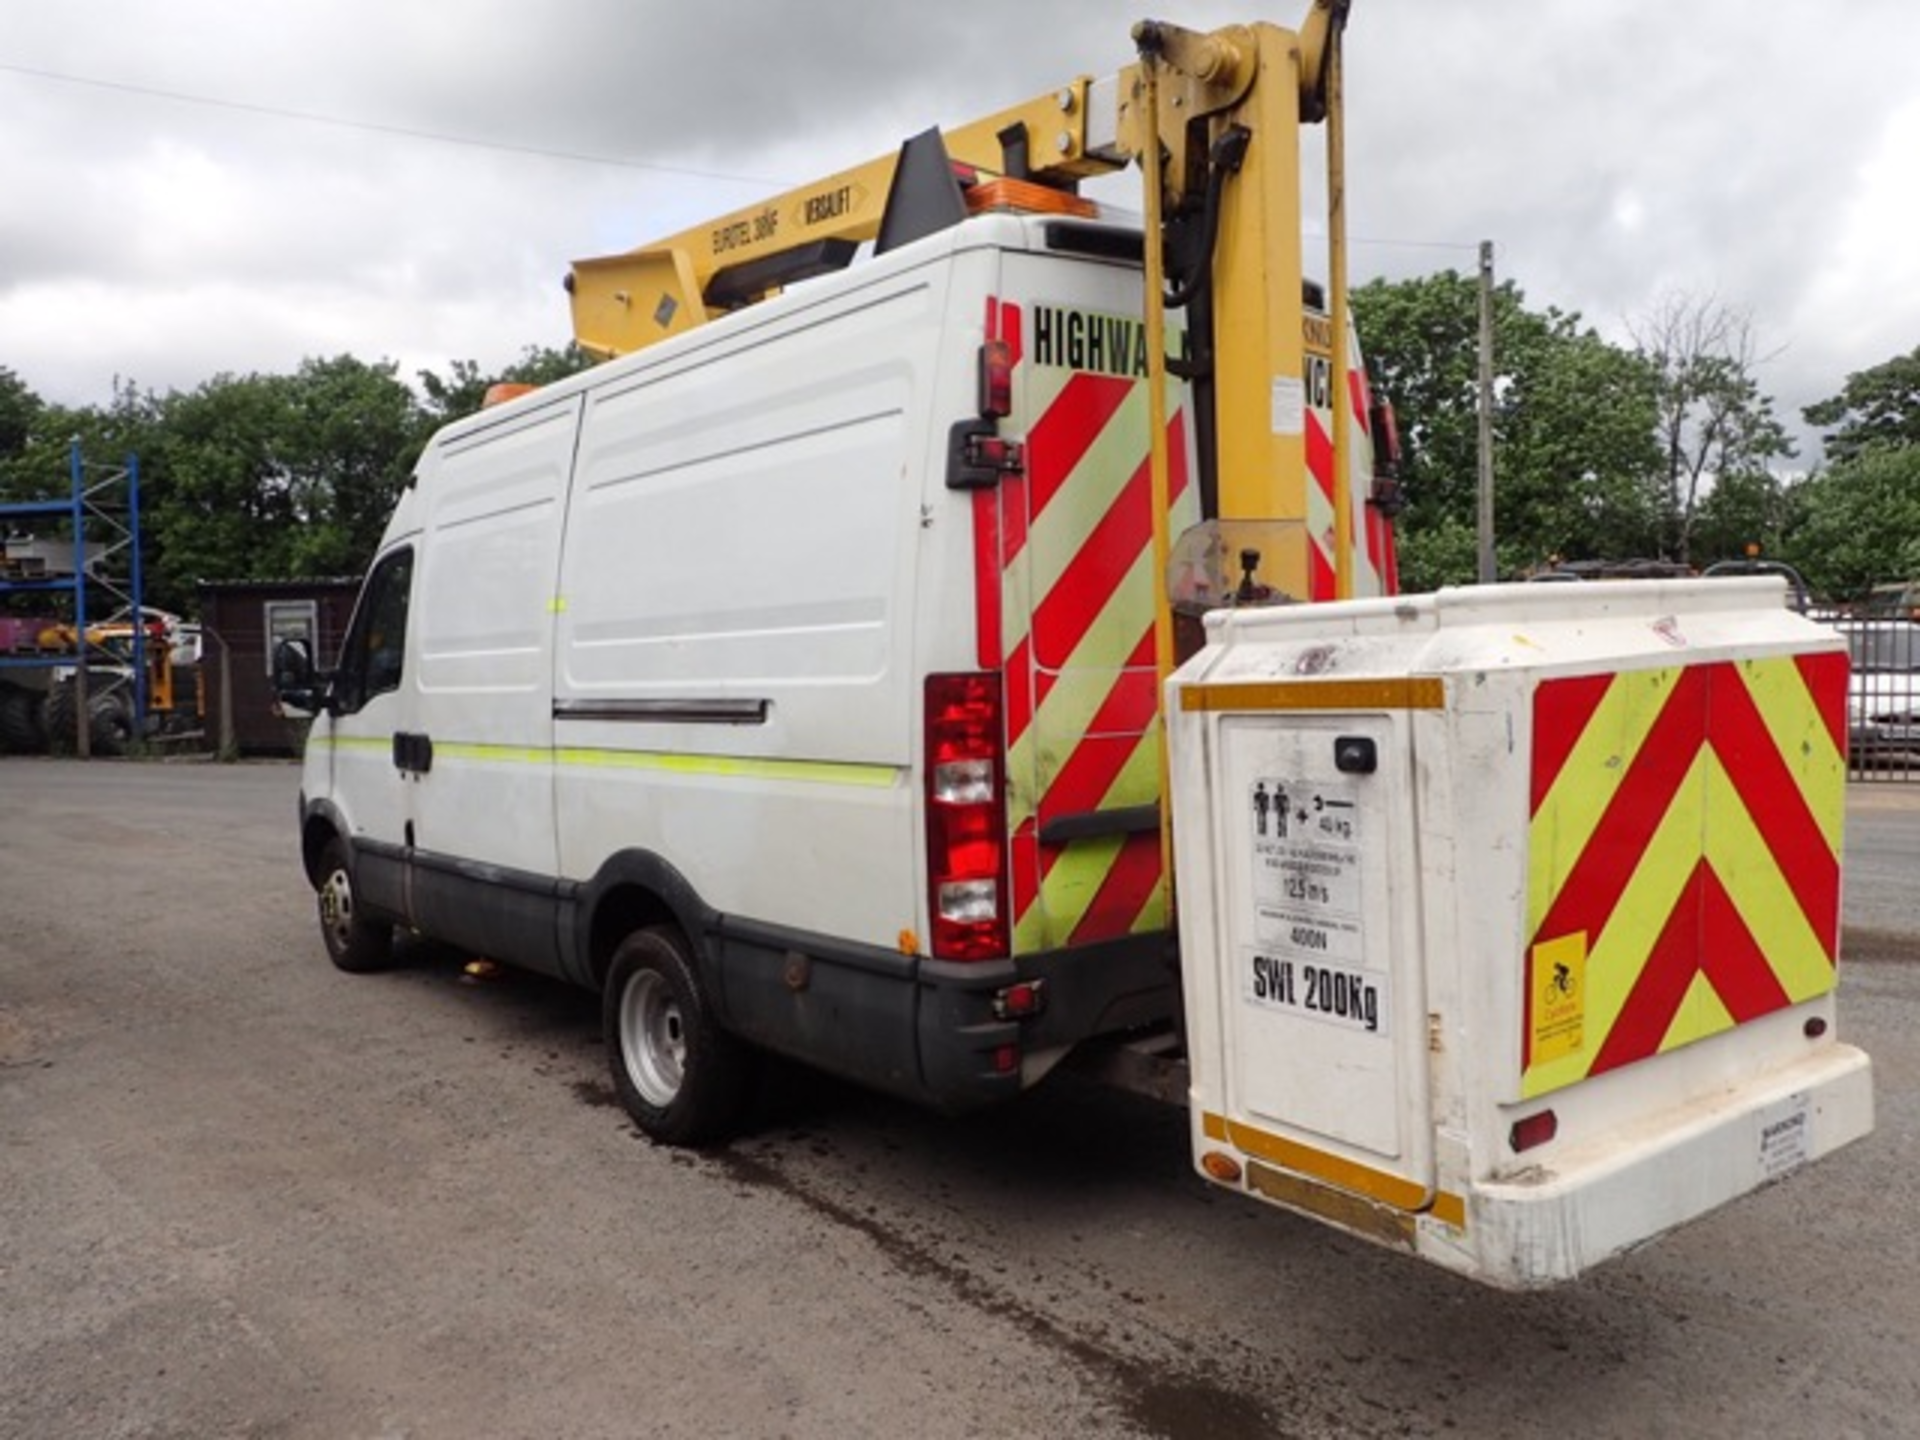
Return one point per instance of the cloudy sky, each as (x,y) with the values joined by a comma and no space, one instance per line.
(212,186)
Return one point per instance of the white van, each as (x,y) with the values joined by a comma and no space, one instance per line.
(790,683)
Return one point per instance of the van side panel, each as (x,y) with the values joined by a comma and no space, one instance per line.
(734,679)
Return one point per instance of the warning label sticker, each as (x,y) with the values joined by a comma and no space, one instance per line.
(1288,404)
(1785,1137)
(1559,997)
(1310,950)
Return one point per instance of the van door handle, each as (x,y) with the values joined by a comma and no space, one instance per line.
(413,753)
(1093,824)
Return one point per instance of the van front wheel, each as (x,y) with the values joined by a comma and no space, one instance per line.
(354,943)
(683,1079)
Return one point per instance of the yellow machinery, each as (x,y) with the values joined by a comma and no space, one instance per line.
(115,718)
(1213,121)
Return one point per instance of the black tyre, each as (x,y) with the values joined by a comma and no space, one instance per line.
(109,718)
(22,727)
(354,943)
(110,722)
(60,715)
(683,1079)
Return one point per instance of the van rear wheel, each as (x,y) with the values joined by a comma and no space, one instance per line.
(683,1079)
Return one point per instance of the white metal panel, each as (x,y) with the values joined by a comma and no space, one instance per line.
(487,566)
(762,556)
(738,527)
(749,524)
(1325,1017)
(1638,1148)
(482,623)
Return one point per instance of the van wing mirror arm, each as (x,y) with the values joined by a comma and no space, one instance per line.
(295,680)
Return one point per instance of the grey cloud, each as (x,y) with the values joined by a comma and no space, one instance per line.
(1612,152)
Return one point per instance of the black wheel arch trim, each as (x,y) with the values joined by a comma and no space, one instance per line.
(597,930)
(316,815)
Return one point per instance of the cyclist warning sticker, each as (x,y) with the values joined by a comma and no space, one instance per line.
(1309,953)
(1559,997)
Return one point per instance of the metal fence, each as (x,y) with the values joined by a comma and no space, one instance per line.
(1883,696)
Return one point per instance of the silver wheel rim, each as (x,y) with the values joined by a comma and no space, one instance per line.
(653,1038)
(336,909)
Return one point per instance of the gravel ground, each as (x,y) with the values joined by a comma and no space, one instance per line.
(246,1195)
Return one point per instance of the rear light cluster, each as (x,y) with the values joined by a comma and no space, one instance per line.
(996,380)
(966,817)
(1386,493)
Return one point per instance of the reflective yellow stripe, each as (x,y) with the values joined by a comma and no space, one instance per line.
(1761,893)
(495,754)
(731,767)
(1394,1190)
(1403,693)
(1618,954)
(1588,778)
(1076,877)
(1806,745)
(1098,477)
(1713,875)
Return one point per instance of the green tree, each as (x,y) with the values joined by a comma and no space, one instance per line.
(353,433)
(1858,522)
(463,391)
(256,476)
(1880,406)
(19,409)
(1444,550)
(458,393)
(1744,508)
(1573,427)
(1715,428)
(232,508)
(276,476)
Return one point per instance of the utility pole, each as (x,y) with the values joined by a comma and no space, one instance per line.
(1485,519)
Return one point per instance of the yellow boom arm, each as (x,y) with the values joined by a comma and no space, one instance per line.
(1214,121)
(628,301)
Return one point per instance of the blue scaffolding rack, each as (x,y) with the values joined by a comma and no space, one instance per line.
(101,510)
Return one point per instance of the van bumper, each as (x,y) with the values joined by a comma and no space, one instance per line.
(932,1031)
(972,1056)
(1552,1222)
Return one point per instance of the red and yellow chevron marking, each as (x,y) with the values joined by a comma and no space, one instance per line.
(1065,556)
(1683,857)
(1376,570)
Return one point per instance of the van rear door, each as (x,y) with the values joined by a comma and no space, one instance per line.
(1076,554)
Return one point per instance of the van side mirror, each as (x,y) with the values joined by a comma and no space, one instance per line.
(294,681)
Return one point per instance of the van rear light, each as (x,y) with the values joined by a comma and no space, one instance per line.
(1385,430)
(969,902)
(964,782)
(1384,427)
(1535,1129)
(966,816)
(996,380)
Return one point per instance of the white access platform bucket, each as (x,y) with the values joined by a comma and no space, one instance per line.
(1509,916)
